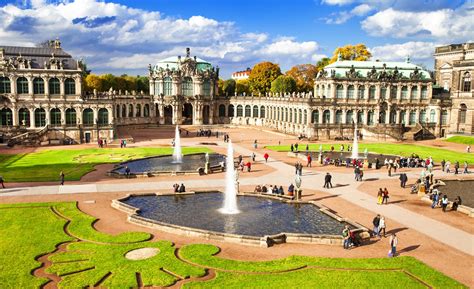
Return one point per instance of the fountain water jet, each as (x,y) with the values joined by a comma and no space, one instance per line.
(230,192)
(177,155)
(355,145)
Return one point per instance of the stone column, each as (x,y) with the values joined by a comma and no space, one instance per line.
(48,114)
(344,91)
(78,86)
(161,110)
(321,112)
(46,86)
(387,114)
(110,115)
(333,91)
(376,115)
(61,88)
(13,85)
(332,116)
(407,117)
(96,114)
(399,92)
(30,86)
(32,117)
(14,115)
(377,92)
(63,116)
(211,114)
(344,116)
(152,86)
(79,115)
(419,91)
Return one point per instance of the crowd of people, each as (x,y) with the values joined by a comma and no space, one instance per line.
(274,189)
(440,200)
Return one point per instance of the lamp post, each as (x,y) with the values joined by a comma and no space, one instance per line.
(236,181)
(298,186)
(97,126)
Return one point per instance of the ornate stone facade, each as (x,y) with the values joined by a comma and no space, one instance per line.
(454,68)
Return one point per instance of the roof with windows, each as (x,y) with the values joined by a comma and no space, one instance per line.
(175,62)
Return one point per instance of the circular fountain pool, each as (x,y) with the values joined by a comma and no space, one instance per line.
(165,164)
(258,217)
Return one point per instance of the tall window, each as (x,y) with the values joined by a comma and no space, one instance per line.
(206,87)
(157,88)
(5,85)
(117,111)
(360,117)
(38,85)
(22,85)
(54,86)
(231,111)
(444,117)
(187,86)
(103,117)
(370,117)
(300,116)
(71,117)
(339,91)
(326,116)
(422,116)
(6,118)
(305,116)
(432,116)
(55,117)
(247,111)
(349,116)
(124,110)
(24,117)
(404,92)
(466,82)
(255,111)
(138,109)
(414,92)
(424,92)
(146,110)
(315,116)
(69,86)
(393,92)
(262,111)
(372,92)
(412,118)
(403,115)
(383,92)
(40,117)
(338,116)
(167,86)
(350,91)
(221,110)
(462,113)
(239,110)
(360,92)
(130,110)
(88,117)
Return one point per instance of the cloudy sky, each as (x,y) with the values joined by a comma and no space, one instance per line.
(124,36)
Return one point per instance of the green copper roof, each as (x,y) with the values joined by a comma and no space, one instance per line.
(364,67)
(173,63)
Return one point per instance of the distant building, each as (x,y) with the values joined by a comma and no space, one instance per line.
(454,70)
(244,74)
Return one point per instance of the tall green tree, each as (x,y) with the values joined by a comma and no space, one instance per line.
(229,87)
(262,75)
(358,52)
(284,84)
(242,86)
(322,63)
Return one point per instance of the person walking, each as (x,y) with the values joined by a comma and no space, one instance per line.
(468,149)
(2,182)
(292,148)
(61,178)
(356,173)
(448,166)
(376,223)
(403,180)
(310,160)
(443,164)
(379,196)
(382,227)
(253,157)
(435,198)
(456,168)
(265,156)
(393,245)
(465,171)
(127,171)
(444,202)
(249,166)
(327,180)
(346,237)
(385,196)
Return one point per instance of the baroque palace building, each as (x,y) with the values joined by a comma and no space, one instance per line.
(42,100)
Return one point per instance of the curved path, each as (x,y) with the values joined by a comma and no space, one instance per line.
(344,186)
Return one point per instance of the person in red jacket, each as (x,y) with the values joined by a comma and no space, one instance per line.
(309,160)
(249,166)
(265,156)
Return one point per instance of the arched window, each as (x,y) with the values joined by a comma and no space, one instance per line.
(393,92)
(305,116)
(255,111)
(326,116)
(221,110)
(424,92)
(404,92)
(231,111)
(383,92)
(167,86)
(422,116)
(372,92)
(146,110)
(393,117)
(360,92)
(286,114)
(414,92)
(315,116)
(382,116)
(360,117)
(117,111)
(338,116)
(339,91)
(157,88)
(444,117)
(247,111)
(206,87)
(40,117)
(103,117)
(316,90)
(55,117)
(24,117)
(38,85)
(138,110)
(124,110)
(300,116)
(187,86)
(71,118)
(88,117)
(54,86)
(370,117)
(22,85)
(130,110)
(466,82)
(322,92)
(5,86)
(350,91)
(403,115)
(432,116)
(291,115)
(349,117)
(262,111)
(69,86)
(6,118)
(462,113)
(240,110)
(412,118)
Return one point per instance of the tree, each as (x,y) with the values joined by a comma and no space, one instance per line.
(262,75)
(229,87)
(322,63)
(304,75)
(108,80)
(220,87)
(284,84)
(242,86)
(143,84)
(358,52)
(92,82)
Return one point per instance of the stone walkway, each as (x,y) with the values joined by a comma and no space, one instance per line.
(344,186)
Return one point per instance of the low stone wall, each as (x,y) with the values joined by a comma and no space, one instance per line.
(265,241)
(462,209)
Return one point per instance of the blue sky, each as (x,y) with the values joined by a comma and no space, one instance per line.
(125,36)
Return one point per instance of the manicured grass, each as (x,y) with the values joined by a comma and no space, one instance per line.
(46,165)
(391,149)
(467,140)
(204,255)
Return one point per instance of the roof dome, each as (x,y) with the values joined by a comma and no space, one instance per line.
(174,62)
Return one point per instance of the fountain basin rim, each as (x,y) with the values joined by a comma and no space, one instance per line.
(135,218)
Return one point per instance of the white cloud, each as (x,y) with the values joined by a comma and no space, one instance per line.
(344,16)
(417,50)
(361,10)
(289,47)
(318,57)
(337,2)
(446,24)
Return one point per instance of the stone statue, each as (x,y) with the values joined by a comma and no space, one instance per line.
(333,73)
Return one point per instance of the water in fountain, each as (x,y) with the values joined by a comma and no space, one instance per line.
(355,145)
(177,155)
(230,192)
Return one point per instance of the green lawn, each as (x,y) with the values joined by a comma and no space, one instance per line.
(392,149)
(467,140)
(46,165)
(93,258)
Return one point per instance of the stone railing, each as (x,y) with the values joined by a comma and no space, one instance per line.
(27,136)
